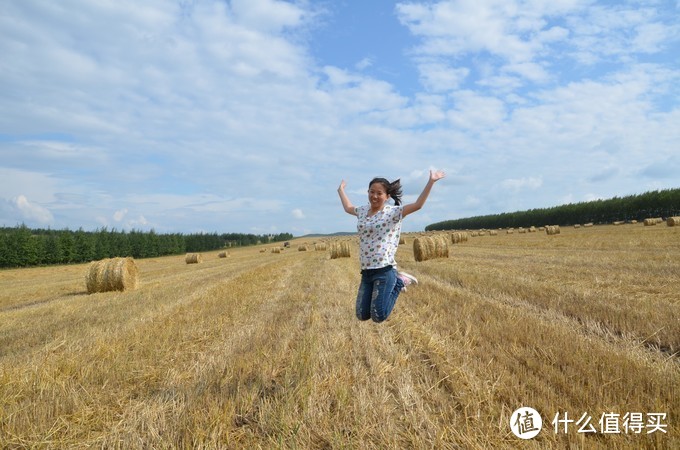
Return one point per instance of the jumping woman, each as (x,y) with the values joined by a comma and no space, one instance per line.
(379,228)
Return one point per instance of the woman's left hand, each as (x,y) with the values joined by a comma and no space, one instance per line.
(436,175)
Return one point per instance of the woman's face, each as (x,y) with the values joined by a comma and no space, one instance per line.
(377,195)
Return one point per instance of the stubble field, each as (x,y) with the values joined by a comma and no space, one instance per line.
(262,350)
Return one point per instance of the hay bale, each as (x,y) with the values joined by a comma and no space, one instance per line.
(320,246)
(302,248)
(619,222)
(459,236)
(426,247)
(402,240)
(340,250)
(577,225)
(276,249)
(673,221)
(588,225)
(112,274)
(552,229)
(193,258)
(493,233)
(650,221)
(223,255)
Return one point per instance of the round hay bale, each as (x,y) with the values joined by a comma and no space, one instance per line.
(650,221)
(113,274)
(302,248)
(402,240)
(588,225)
(458,237)
(427,247)
(340,250)
(673,221)
(320,247)
(552,229)
(276,249)
(193,258)
(223,255)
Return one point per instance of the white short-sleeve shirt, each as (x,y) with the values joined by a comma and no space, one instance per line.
(378,236)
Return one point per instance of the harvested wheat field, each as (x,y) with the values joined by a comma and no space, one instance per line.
(262,350)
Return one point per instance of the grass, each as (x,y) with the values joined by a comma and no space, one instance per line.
(262,350)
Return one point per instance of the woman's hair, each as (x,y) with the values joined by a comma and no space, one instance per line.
(392,189)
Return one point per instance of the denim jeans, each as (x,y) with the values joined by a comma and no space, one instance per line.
(378,293)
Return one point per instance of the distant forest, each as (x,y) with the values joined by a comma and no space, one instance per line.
(663,203)
(23,247)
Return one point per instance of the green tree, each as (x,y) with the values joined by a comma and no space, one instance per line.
(84,246)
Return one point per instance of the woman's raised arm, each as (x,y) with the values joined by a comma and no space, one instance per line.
(346,203)
(435,175)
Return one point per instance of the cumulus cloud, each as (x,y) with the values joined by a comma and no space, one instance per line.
(224,110)
(32,212)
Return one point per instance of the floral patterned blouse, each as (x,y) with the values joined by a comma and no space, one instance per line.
(378,236)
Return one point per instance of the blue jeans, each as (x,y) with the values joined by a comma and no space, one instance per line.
(378,293)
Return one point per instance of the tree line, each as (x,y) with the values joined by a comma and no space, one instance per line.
(660,203)
(21,246)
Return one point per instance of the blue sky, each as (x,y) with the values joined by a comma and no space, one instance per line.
(245,115)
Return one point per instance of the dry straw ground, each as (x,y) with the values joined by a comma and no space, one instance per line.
(262,350)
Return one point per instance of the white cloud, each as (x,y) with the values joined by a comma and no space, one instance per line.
(33,212)
(439,76)
(365,63)
(269,15)
(154,114)
(297,213)
(119,215)
(517,184)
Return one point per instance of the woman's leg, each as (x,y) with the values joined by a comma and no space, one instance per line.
(363,306)
(386,289)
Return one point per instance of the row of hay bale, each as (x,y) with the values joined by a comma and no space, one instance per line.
(670,221)
(522,230)
(197,258)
